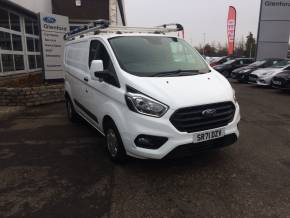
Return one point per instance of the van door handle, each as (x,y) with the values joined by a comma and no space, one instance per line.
(86,79)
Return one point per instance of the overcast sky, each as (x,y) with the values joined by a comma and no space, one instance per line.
(197,16)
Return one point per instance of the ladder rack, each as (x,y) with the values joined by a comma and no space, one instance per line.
(102,26)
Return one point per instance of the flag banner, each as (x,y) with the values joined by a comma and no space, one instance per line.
(231,29)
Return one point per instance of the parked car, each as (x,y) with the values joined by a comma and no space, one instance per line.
(209,59)
(282,80)
(219,60)
(227,68)
(150,95)
(242,74)
(263,77)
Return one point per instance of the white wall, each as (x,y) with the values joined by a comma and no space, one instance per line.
(35,5)
(115,14)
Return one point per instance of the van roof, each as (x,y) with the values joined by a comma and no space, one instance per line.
(103,29)
(114,35)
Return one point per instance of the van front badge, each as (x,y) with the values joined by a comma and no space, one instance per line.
(208,112)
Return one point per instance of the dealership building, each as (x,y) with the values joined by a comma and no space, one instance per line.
(21,44)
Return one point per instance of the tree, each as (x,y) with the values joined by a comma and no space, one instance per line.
(250,46)
(221,50)
(199,48)
(209,50)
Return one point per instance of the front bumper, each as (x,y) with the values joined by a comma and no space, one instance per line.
(189,149)
(241,76)
(259,80)
(262,81)
(138,124)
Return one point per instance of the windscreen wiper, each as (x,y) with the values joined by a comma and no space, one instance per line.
(176,73)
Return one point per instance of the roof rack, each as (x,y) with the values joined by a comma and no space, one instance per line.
(102,26)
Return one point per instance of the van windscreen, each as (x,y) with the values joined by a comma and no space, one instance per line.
(154,55)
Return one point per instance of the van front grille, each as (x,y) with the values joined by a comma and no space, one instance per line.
(204,117)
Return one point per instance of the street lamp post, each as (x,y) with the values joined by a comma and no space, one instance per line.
(204,39)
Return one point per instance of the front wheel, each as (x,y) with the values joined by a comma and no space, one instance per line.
(114,144)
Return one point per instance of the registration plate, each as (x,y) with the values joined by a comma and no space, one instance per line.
(208,135)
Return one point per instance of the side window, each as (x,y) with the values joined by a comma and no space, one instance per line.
(99,52)
(94,51)
(241,62)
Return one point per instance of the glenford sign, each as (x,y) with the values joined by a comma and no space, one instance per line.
(53,28)
(274,29)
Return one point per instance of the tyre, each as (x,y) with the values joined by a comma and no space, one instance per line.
(114,144)
(71,113)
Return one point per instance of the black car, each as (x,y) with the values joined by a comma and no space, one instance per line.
(242,74)
(282,80)
(220,60)
(227,68)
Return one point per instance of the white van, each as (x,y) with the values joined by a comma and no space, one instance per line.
(151,95)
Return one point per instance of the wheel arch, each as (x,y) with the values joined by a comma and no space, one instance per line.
(106,121)
(112,113)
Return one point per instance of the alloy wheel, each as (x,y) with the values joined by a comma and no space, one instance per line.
(112,142)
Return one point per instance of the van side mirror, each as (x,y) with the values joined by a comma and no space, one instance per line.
(97,66)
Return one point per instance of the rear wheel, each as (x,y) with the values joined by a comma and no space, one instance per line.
(114,144)
(71,113)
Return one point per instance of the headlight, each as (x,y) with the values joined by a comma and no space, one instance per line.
(145,105)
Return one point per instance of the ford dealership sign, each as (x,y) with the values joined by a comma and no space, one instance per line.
(53,28)
(48,19)
(274,29)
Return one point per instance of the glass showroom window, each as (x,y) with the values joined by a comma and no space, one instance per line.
(32,43)
(11,44)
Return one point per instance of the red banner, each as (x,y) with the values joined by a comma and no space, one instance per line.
(232,16)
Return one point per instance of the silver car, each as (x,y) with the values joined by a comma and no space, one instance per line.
(263,77)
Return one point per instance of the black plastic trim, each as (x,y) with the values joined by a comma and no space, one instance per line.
(191,149)
(84,109)
(155,141)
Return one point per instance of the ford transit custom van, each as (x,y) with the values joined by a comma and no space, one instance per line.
(150,94)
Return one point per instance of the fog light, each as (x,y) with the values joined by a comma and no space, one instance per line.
(150,142)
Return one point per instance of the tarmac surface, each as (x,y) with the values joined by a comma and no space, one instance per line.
(50,167)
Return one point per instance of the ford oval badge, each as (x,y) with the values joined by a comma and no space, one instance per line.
(49,19)
(209,112)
